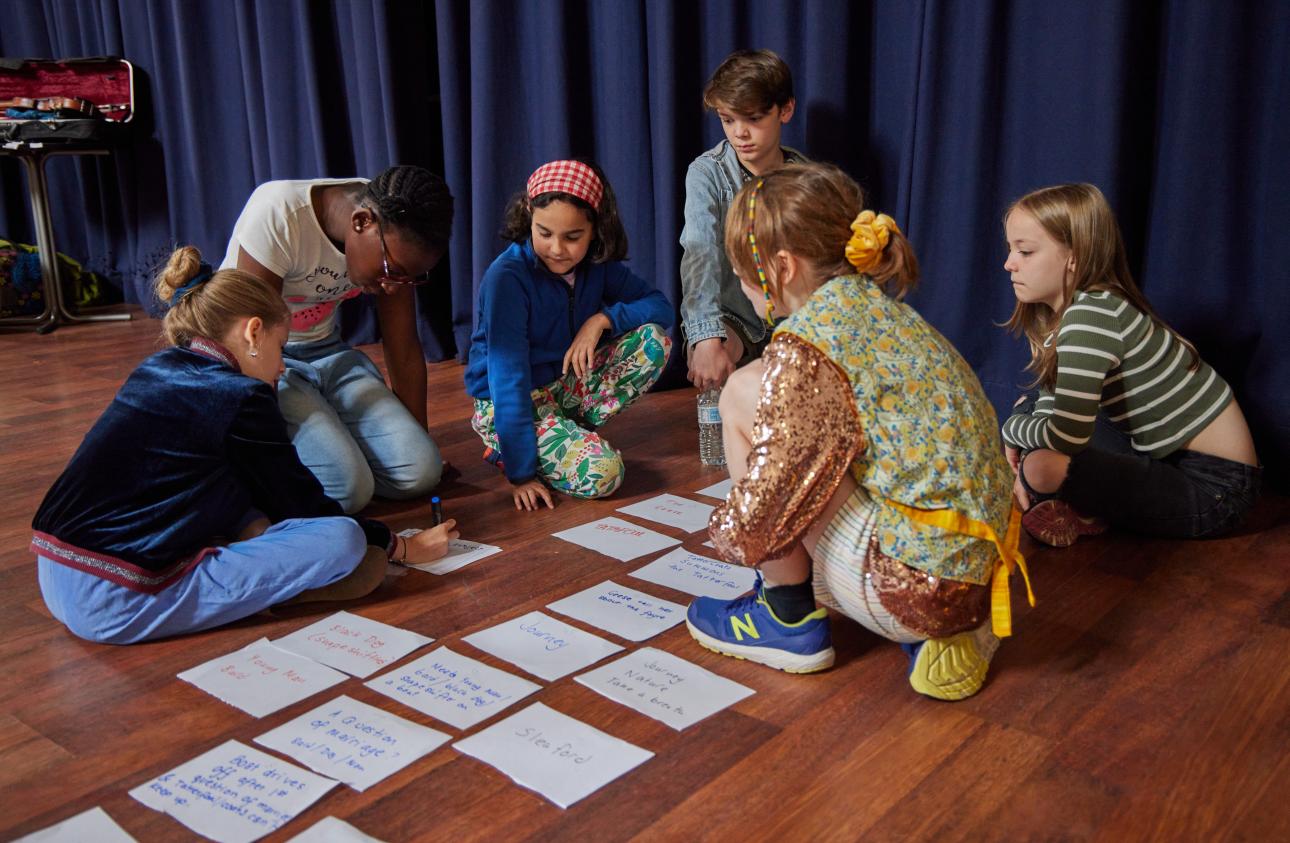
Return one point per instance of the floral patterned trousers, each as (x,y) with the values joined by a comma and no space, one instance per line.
(572,458)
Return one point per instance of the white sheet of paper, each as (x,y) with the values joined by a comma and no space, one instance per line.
(718,490)
(261,678)
(460,554)
(542,645)
(92,825)
(453,688)
(617,538)
(559,757)
(332,830)
(357,645)
(353,742)
(625,612)
(665,687)
(702,576)
(672,510)
(233,793)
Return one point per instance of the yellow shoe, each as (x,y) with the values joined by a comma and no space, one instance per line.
(952,668)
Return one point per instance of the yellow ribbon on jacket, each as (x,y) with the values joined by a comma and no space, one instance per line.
(870,233)
(1009,556)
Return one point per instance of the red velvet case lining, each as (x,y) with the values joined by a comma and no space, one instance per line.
(102,82)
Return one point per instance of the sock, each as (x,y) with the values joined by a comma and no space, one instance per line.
(791,603)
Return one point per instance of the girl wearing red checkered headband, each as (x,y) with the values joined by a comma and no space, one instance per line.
(566,337)
(581,186)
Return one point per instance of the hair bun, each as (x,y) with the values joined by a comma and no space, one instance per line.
(184,265)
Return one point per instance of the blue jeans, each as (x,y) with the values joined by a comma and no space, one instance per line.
(350,430)
(231,583)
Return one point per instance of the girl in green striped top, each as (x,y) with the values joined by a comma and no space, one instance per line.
(1129,426)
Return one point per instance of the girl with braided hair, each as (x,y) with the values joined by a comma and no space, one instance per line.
(867,469)
(320,241)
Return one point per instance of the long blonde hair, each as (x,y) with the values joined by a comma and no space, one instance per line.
(807,209)
(212,307)
(1078,217)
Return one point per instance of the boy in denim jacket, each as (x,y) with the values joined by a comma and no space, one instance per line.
(752,94)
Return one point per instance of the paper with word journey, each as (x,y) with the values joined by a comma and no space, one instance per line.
(664,686)
(353,742)
(453,688)
(233,794)
(701,576)
(542,645)
(674,511)
(261,678)
(617,538)
(460,554)
(718,490)
(625,612)
(561,758)
(94,824)
(352,643)
(332,830)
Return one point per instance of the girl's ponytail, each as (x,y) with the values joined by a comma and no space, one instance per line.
(879,249)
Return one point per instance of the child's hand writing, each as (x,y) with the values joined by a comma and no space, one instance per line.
(526,495)
(582,351)
(429,545)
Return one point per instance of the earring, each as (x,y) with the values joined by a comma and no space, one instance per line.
(255,352)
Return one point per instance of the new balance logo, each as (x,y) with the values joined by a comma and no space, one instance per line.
(745,625)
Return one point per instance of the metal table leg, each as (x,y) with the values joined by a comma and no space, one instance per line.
(56,311)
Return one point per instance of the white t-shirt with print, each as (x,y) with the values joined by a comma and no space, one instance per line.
(278,227)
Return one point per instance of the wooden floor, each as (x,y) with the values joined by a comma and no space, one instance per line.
(1146,697)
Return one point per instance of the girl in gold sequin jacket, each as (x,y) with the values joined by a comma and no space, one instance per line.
(868,473)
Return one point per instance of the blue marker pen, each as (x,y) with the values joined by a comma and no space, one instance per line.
(436,510)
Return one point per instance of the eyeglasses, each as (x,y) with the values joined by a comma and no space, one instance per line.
(388,278)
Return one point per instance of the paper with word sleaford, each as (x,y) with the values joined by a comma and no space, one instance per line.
(460,554)
(617,538)
(718,490)
(672,510)
(664,686)
(332,830)
(352,643)
(699,575)
(234,793)
(92,825)
(625,612)
(261,678)
(542,645)
(353,742)
(450,687)
(559,757)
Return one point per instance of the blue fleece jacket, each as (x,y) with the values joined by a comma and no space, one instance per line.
(527,318)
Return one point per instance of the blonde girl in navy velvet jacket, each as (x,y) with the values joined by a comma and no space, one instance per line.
(186,506)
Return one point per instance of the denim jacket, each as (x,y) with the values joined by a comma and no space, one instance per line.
(709,288)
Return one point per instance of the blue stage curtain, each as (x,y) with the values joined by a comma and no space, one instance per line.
(945,112)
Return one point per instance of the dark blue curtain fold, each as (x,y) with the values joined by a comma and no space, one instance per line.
(945,111)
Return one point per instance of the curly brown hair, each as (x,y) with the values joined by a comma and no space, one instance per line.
(609,238)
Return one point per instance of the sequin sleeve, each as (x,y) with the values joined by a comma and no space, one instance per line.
(805,434)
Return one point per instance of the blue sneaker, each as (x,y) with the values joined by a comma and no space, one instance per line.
(747,628)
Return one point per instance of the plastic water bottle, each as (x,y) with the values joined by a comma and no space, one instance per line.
(711,449)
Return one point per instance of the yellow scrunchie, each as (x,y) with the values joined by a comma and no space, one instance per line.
(869,236)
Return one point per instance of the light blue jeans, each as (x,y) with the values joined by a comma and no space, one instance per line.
(231,583)
(349,429)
